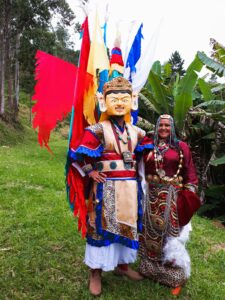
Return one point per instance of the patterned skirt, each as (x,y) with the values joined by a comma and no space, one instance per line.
(160,221)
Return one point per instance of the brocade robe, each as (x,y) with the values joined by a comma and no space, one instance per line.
(115,206)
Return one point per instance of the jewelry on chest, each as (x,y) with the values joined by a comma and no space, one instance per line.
(126,155)
(158,158)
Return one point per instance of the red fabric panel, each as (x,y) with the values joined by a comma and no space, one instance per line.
(121,174)
(116,58)
(76,197)
(187,204)
(113,156)
(54,92)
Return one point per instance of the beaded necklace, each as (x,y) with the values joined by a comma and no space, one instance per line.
(127,155)
(158,158)
(120,136)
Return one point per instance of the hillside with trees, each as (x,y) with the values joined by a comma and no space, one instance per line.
(25,27)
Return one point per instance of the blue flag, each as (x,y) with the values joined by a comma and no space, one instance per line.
(135,51)
(133,57)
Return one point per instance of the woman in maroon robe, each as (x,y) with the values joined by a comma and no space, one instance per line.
(171,200)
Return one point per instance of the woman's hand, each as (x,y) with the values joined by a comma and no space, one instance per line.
(97,176)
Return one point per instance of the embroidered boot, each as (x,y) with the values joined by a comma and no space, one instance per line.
(124,269)
(95,284)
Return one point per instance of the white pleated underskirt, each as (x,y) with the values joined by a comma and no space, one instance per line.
(108,257)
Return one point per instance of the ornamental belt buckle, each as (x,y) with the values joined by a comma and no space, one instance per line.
(127,159)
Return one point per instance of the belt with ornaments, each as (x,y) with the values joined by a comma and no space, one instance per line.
(113,165)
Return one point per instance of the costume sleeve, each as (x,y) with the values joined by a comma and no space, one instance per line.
(190,179)
(84,156)
(91,144)
(188,201)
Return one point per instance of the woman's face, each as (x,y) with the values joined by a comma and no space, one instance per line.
(164,128)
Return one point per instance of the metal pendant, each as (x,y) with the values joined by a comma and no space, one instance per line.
(127,166)
(162,144)
(159,157)
(161,173)
(127,157)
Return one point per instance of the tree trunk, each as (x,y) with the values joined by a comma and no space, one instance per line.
(2,108)
(2,67)
(8,52)
(17,70)
(9,78)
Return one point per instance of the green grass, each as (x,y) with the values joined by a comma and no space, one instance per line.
(41,253)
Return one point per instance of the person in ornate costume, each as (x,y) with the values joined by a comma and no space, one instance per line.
(107,156)
(171,201)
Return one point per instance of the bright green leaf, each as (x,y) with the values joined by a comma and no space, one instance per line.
(205,89)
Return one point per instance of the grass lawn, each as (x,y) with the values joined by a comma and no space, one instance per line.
(41,253)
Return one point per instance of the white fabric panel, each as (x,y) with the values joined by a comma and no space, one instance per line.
(108,257)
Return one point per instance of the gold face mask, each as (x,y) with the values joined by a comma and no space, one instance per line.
(118,104)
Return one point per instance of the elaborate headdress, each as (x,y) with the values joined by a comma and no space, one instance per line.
(117,84)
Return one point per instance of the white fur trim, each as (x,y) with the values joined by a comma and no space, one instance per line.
(175,251)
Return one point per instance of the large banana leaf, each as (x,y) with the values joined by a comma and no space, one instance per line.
(205,88)
(148,96)
(159,92)
(213,104)
(167,70)
(218,116)
(149,106)
(145,124)
(211,64)
(157,68)
(183,99)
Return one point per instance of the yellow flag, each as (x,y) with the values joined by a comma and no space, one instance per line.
(98,60)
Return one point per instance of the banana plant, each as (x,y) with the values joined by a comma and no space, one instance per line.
(173,97)
(184,95)
(217,67)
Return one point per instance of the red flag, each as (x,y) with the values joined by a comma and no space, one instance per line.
(54,92)
(75,183)
(60,87)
